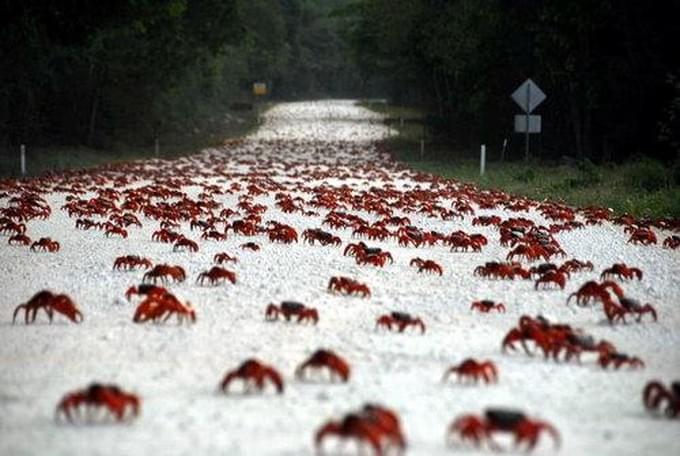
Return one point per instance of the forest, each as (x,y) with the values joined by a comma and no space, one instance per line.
(125,71)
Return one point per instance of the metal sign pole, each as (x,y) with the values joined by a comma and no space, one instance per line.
(528,96)
(526,135)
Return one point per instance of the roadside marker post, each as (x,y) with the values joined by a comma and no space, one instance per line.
(482,160)
(22,158)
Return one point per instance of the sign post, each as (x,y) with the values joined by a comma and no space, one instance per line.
(260,89)
(528,96)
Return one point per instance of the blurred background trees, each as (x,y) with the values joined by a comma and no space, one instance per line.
(608,68)
(123,71)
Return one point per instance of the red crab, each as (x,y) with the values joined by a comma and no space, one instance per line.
(337,366)
(575,265)
(375,425)
(19,239)
(116,401)
(348,286)
(50,303)
(486,306)
(656,394)
(184,243)
(165,235)
(544,268)
(495,270)
(46,245)
(86,224)
(214,235)
(644,236)
(163,271)
(116,231)
(250,246)
(528,252)
(10,227)
(282,233)
(224,257)
(156,306)
(555,277)
(486,220)
(616,312)
(215,275)
(324,238)
(375,259)
(473,369)
(253,373)
(426,265)
(621,271)
(479,429)
(145,289)
(130,262)
(543,333)
(618,359)
(401,320)
(671,242)
(592,290)
(292,309)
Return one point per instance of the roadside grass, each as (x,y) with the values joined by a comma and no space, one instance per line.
(40,160)
(643,188)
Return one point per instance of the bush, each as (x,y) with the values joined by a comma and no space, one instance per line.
(649,175)
(525,175)
(654,204)
(675,173)
(590,174)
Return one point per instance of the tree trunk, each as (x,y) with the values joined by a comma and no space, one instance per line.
(576,123)
(93,118)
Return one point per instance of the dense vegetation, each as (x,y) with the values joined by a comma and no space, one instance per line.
(115,74)
(123,71)
(610,69)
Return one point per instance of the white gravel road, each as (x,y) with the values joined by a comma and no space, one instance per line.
(176,369)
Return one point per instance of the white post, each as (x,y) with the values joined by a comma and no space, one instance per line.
(482,160)
(422,148)
(505,146)
(23,159)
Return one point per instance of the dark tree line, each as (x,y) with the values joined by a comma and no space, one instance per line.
(121,71)
(610,68)
(103,72)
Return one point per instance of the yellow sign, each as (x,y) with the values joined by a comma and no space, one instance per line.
(259,88)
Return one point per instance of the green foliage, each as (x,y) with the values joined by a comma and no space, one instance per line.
(675,173)
(101,74)
(648,175)
(525,175)
(589,173)
(602,64)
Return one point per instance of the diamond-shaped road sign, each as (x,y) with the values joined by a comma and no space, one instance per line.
(528,96)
